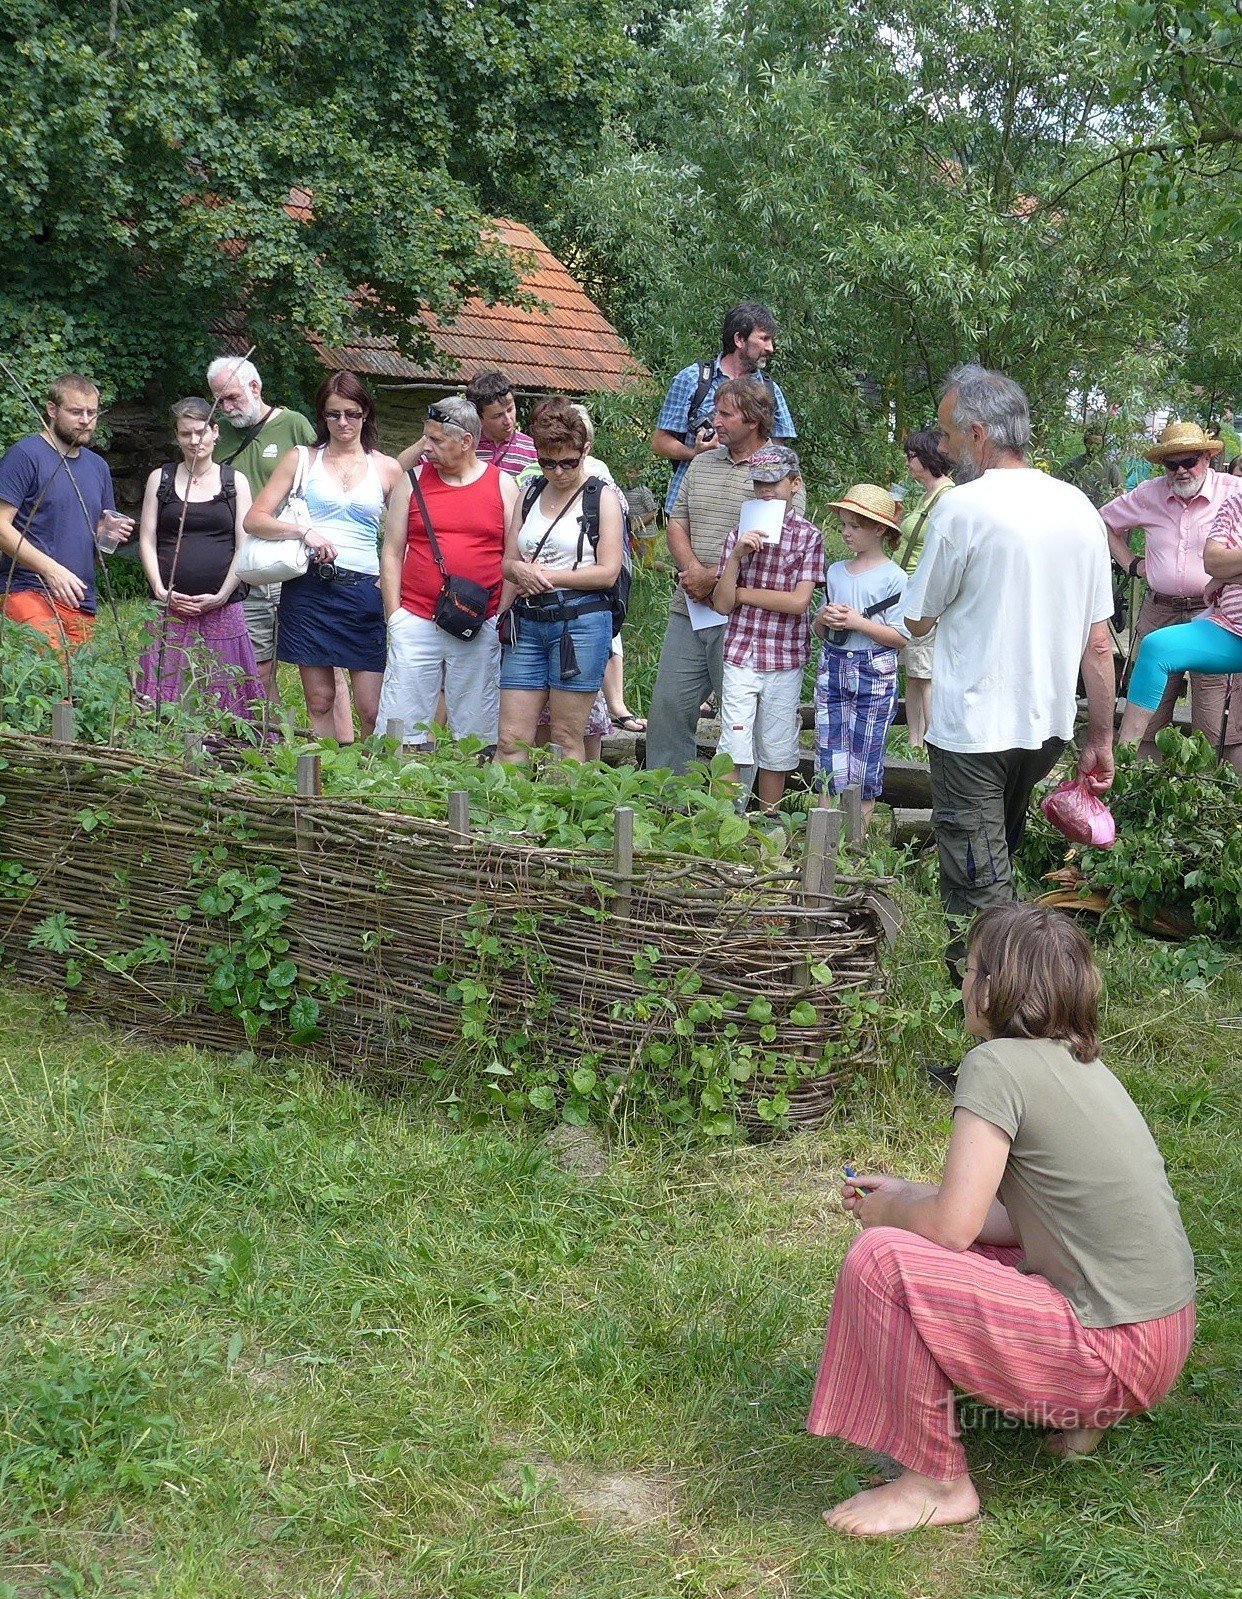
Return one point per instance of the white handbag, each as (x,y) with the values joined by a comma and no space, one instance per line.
(264,561)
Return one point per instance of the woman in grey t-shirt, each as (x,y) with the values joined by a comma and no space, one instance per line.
(1047,1274)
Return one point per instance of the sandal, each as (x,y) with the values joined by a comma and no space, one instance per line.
(629,723)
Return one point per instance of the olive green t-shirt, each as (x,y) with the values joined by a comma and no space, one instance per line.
(261,456)
(1085,1186)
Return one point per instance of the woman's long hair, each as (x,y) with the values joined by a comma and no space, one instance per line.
(348,386)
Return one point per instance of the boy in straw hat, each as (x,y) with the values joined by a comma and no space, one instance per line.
(766,590)
(863,629)
(1175,513)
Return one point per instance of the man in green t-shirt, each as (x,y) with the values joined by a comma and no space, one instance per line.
(253,438)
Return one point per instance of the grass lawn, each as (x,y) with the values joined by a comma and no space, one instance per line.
(266,1334)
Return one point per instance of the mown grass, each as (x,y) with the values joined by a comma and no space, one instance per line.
(265,1334)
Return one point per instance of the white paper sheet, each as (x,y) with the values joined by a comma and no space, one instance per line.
(702,616)
(762,516)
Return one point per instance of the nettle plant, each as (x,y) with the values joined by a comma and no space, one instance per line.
(1179,838)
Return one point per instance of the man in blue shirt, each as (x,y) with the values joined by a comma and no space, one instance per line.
(684,428)
(56,499)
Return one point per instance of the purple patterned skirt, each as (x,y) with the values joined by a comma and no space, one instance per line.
(211,655)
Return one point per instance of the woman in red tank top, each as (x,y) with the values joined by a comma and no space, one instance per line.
(468,502)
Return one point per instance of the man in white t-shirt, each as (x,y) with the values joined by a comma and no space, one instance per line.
(1015,571)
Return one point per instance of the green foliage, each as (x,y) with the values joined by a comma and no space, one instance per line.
(1179,838)
(558,805)
(78,1425)
(908,197)
(150,150)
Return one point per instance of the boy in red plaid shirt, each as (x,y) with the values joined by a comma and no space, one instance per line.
(766,591)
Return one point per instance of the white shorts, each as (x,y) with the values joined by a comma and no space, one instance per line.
(422,659)
(759,717)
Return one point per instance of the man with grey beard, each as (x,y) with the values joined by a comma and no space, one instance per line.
(1174,512)
(254,437)
(1015,573)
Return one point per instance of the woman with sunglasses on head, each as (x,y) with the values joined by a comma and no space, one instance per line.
(467,501)
(563,578)
(333,616)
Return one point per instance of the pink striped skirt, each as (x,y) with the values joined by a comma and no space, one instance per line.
(212,654)
(912,1321)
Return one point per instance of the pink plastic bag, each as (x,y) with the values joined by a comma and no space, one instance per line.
(1075,809)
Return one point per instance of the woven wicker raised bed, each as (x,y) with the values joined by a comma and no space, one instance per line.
(382,900)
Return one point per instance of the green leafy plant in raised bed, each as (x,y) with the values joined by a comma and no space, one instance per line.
(552,804)
(1179,839)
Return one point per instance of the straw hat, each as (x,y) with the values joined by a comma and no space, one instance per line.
(1183,438)
(871,501)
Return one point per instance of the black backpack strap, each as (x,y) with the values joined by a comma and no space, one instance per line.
(228,487)
(707,371)
(166,493)
(589,520)
(532,492)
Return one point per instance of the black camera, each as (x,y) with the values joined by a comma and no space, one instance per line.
(707,429)
(326,571)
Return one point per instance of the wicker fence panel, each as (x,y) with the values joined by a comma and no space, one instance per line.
(125,848)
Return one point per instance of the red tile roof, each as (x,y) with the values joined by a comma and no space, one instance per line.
(569,348)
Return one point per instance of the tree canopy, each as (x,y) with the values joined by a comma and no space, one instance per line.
(1049,188)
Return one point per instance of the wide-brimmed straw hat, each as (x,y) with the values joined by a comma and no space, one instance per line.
(1183,438)
(871,501)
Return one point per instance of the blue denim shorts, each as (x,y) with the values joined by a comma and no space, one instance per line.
(534,662)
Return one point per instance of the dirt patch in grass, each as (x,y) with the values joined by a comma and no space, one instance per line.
(579,1150)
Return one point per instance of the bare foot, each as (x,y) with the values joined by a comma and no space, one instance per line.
(1073,1441)
(911,1501)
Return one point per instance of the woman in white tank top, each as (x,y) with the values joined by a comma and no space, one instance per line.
(334,617)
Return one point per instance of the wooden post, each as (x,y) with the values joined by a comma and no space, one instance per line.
(310,776)
(819,863)
(851,805)
(310,786)
(459,813)
(62,722)
(623,857)
(819,873)
(395,729)
(192,758)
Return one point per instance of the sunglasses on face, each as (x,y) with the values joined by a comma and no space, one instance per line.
(343,416)
(1181,463)
(560,464)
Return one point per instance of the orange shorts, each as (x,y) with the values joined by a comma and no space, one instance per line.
(64,626)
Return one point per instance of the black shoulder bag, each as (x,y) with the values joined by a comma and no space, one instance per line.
(462,607)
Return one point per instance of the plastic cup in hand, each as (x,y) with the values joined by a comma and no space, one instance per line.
(110,532)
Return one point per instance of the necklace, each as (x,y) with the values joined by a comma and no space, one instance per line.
(346,467)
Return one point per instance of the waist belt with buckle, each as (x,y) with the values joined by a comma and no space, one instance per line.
(555,608)
(1182,602)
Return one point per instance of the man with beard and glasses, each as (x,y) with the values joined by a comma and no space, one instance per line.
(254,439)
(1015,574)
(56,501)
(1175,512)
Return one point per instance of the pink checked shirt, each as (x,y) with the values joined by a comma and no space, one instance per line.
(771,641)
(1227,530)
(1176,529)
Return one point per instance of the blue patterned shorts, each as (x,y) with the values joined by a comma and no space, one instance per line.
(855,703)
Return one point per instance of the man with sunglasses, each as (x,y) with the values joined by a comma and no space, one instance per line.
(56,501)
(1174,512)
